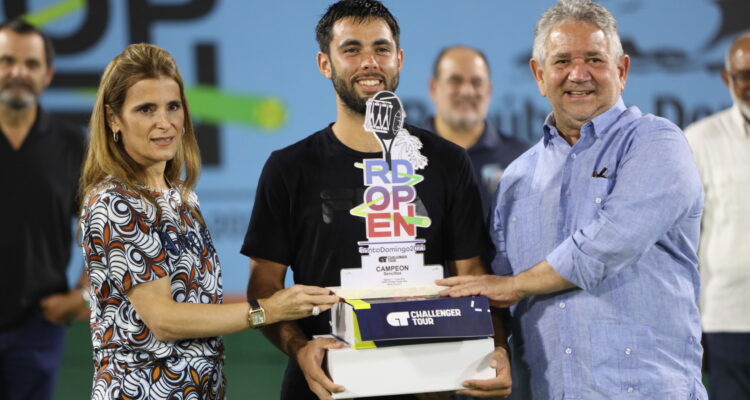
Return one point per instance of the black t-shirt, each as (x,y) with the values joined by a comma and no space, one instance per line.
(40,183)
(301,214)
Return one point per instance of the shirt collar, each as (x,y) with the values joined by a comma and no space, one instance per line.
(41,123)
(599,125)
(739,119)
(429,124)
(485,140)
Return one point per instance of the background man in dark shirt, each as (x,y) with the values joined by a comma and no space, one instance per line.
(461,89)
(40,160)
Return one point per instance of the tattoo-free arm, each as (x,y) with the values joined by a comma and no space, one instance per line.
(267,278)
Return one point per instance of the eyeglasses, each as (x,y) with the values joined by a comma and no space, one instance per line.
(740,77)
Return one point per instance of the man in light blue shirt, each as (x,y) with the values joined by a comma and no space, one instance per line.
(596,230)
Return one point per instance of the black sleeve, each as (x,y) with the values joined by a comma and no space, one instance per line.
(268,235)
(465,232)
(77,152)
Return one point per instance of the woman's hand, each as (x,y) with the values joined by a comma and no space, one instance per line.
(298,301)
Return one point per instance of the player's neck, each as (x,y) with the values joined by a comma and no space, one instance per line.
(349,129)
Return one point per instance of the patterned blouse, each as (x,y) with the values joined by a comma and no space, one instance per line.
(124,245)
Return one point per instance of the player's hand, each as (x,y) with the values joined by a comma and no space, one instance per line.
(500,290)
(298,301)
(499,386)
(60,308)
(310,359)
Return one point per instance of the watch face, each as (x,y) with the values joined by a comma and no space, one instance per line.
(258,317)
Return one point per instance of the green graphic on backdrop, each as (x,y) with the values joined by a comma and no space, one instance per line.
(53,12)
(207,103)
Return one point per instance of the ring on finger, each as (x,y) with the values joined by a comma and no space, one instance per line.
(315,310)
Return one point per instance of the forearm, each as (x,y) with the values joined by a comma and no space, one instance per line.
(501,337)
(286,336)
(266,279)
(60,308)
(469,266)
(178,321)
(539,279)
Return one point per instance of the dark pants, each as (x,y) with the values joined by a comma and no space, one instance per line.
(30,356)
(728,365)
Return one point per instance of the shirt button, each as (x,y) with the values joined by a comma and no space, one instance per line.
(513,219)
(562,304)
(573,156)
(630,389)
(628,350)
(567,192)
(691,339)
(568,351)
(598,200)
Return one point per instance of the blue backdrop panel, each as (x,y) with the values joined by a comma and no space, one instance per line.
(254,85)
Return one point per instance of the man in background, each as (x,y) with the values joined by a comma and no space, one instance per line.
(40,161)
(721,146)
(461,89)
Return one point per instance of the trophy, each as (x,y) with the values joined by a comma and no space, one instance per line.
(393,322)
(385,118)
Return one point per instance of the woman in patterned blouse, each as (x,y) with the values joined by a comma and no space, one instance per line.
(156,310)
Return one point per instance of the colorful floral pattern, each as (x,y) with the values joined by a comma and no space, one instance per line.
(124,245)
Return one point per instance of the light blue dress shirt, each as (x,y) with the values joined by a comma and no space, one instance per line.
(618,215)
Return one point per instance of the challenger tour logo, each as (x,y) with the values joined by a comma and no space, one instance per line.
(420,317)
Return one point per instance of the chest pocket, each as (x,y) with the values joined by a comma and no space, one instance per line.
(594,199)
(523,227)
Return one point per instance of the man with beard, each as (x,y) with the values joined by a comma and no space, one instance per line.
(301,216)
(721,146)
(461,89)
(40,161)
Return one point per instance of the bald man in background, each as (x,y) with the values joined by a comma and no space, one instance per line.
(721,146)
(461,89)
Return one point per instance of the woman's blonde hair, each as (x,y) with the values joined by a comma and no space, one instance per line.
(107,157)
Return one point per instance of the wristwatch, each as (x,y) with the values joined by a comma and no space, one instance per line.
(256,315)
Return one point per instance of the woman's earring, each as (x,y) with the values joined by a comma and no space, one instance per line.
(183,130)
(116,136)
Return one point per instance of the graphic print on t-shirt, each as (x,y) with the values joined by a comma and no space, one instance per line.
(392,255)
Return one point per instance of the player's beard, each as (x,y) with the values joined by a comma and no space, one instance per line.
(348,94)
